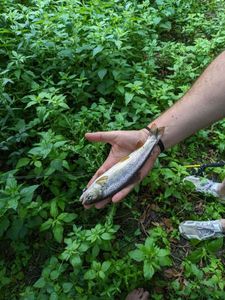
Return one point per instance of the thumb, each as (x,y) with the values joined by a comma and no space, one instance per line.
(103,136)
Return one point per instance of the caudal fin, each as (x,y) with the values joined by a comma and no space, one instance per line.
(157,131)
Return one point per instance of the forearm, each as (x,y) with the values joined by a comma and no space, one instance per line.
(201,106)
(221,190)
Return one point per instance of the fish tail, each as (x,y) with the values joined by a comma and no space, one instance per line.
(157,131)
(161,131)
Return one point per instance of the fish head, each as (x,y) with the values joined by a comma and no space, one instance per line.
(91,194)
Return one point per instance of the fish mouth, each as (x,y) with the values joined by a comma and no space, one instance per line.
(82,198)
(85,200)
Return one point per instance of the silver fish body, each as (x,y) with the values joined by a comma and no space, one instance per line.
(121,174)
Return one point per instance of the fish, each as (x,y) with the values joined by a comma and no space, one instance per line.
(123,173)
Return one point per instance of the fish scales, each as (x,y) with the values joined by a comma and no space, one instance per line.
(124,175)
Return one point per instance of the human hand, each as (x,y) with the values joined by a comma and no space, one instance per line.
(123,143)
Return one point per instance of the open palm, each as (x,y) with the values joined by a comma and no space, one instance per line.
(123,143)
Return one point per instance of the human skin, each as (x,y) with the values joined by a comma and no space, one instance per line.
(221,189)
(223,224)
(200,107)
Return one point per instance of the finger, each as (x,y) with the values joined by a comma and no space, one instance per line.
(140,292)
(123,193)
(98,205)
(103,136)
(145,295)
(103,203)
(87,206)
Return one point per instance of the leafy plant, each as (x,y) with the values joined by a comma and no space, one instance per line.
(152,256)
(71,67)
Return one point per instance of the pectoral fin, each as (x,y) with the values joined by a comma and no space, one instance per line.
(102,180)
(124,158)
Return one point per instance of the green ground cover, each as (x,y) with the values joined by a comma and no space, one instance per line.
(68,67)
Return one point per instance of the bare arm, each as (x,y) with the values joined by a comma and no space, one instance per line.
(201,106)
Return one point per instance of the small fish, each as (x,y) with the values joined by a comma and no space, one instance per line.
(123,173)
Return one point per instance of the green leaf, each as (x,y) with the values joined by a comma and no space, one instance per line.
(83,247)
(105,87)
(97,50)
(106,236)
(196,255)
(58,145)
(13,202)
(67,217)
(159,2)
(137,255)
(149,243)
(66,165)
(54,296)
(164,261)
(54,275)
(163,252)
(40,283)
(27,193)
(76,261)
(67,286)
(102,73)
(148,270)
(95,250)
(101,274)
(46,225)
(90,275)
(64,105)
(128,97)
(66,53)
(38,164)
(56,164)
(215,245)
(4,224)
(17,73)
(106,265)
(54,209)
(120,88)
(166,25)
(58,232)
(118,44)
(22,162)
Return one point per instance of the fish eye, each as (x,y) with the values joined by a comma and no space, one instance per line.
(89,197)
